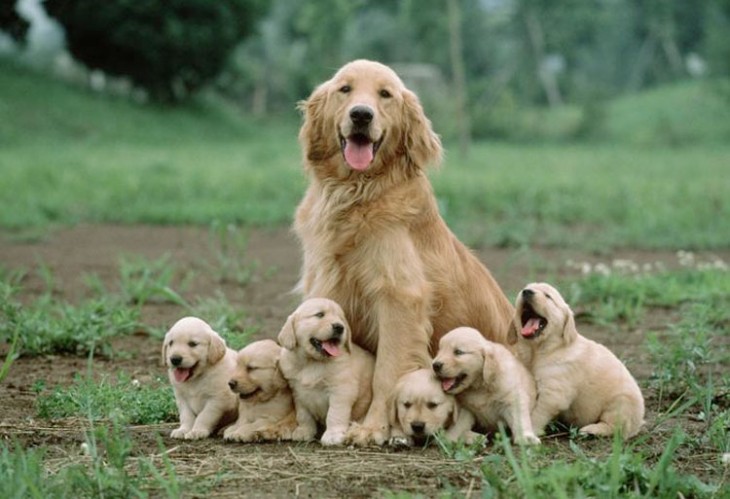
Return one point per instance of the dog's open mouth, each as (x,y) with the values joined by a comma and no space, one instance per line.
(359,150)
(328,348)
(449,384)
(182,374)
(250,394)
(533,323)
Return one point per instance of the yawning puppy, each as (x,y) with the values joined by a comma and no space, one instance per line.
(489,383)
(199,366)
(420,408)
(266,407)
(329,375)
(579,381)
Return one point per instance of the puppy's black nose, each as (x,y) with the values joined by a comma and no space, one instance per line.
(437,366)
(418,427)
(233,384)
(175,360)
(337,329)
(361,115)
(527,293)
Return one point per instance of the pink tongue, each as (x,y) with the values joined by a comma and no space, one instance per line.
(331,348)
(182,374)
(447,383)
(358,156)
(531,327)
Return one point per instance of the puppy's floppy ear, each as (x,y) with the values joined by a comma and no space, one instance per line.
(422,145)
(393,407)
(317,135)
(454,415)
(513,332)
(489,368)
(164,351)
(287,336)
(348,337)
(216,348)
(570,331)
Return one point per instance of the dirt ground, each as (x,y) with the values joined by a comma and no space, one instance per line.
(261,469)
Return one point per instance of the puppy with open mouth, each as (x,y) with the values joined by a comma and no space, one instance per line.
(330,376)
(266,406)
(490,385)
(579,381)
(199,367)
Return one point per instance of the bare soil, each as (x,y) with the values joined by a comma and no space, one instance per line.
(271,469)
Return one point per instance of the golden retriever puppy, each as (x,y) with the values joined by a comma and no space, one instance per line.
(199,367)
(372,236)
(420,408)
(265,406)
(329,375)
(490,385)
(579,381)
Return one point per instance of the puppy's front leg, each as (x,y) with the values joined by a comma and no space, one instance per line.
(462,427)
(306,428)
(519,421)
(338,417)
(206,421)
(187,420)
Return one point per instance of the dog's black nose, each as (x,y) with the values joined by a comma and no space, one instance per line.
(527,293)
(361,115)
(337,329)
(233,384)
(437,366)
(175,360)
(418,427)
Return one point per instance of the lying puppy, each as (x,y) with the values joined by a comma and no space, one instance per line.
(419,408)
(330,377)
(266,407)
(490,385)
(199,366)
(579,381)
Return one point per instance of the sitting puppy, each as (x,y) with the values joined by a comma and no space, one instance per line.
(419,408)
(199,366)
(579,381)
(266,407)
(490,385)
(330,376)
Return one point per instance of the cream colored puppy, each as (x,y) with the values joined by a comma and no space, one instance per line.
(420,408)
(490,385)
(579,381)
(265,406)
(330,377)
(199,367)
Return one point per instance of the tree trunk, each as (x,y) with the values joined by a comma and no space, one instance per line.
(546,77)
(459,76)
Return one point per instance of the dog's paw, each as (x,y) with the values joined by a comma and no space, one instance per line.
(336,437)
(178,433)
(527,439)
(303,434)
(236,435)
(197,434)
(360,435)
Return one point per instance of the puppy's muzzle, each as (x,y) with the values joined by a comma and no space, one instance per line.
(418,427)
(437,366)
(176,360)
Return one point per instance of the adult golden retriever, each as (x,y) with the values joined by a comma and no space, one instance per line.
(371,233)
(579,381)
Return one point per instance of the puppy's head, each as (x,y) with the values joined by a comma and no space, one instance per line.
(460,359)
(363,118)
(257,377)
(542,316)
(317,329)
(189,347)
(419,405)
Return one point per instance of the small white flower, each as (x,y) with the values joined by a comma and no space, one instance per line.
(585,268)
(603,269)
(136,383)
(85,448)
(726,459)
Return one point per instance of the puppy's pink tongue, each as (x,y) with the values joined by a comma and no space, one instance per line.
(358,155)
(447,384)
(182,374)
(530,327)
(331,348)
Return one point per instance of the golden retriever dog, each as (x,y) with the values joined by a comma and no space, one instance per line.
(579,381)
(266,406)
(199,367)
(420,408)
(490,385)
(330,376)
(371,233)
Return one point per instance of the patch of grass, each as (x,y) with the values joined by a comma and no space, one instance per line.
(143,281)
(228,246)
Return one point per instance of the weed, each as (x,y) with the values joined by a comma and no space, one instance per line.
(228,245)
(460,450)
(144,281)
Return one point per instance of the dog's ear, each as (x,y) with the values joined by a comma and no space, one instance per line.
(489,368)
(287,337)
(513,332)
(570,331)
(348,337)
(317,135)
(393,407)
(216,348)
(454,415)
(422,145)
(164,351)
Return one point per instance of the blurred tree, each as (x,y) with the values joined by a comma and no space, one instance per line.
(11,22)
(171,48)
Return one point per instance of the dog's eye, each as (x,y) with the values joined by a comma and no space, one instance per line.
(385,94)
(407,405)
(251,368)
(458,352)
(192,344)
(170,344)
(345,89)
(432,405)
(319,315)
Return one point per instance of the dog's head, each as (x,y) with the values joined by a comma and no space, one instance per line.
(462,359)
(257,377)
(542,316)
(420,407)
(365,118)
(189,347)
(317,329)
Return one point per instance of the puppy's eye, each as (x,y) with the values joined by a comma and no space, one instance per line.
(458,352)
(251,368)
(170,344)
(385,94)
(319,315)
(432,405)
(192,344)
(407,405)
(345,89)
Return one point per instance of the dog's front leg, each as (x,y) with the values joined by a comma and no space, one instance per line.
(187,419)
(338,419)
(206,421)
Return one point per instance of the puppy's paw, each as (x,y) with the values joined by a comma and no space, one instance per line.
(333,437)
(232,434)
(400,441)
(527,439)
(361,435)
(197,434)
(303,434)
(179,433)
